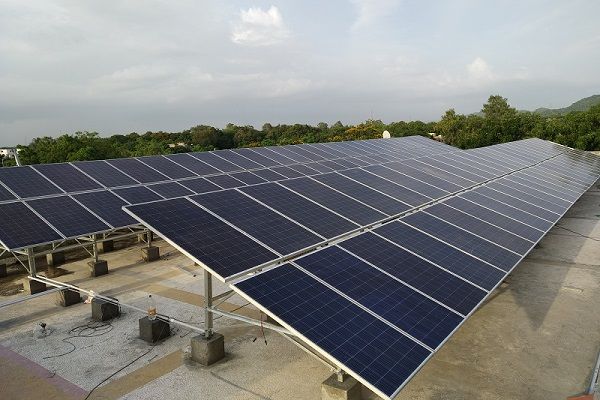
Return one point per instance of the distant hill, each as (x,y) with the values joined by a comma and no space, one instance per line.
(580,105)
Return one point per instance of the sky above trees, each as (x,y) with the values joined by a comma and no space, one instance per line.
(117,67)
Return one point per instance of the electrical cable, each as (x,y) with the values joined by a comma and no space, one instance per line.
(89,330)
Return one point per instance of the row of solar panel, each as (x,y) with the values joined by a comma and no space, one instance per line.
(52,179)
(380,303)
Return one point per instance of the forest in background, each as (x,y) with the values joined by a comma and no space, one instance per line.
(497,122)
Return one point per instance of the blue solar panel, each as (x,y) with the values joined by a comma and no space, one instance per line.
(425,177)
(363,193)
(137,170)
(439,253)
(199,185)
(262,156)
(366,346)
(248,178)
(285,152)
(403,307)
(107,206)
(27,182)
(344,205)
(268,175)
(391,189)
(169,190)
(304,169)
(520,204)
(216,162)
(545,187)
(441,285)
(167,167)
(67,177)
(238,159)
(531,196)
(446,176)
(105,173)
(137,194)
(5,194)
(468,173)
(207,239)
(193,164)
(299,209)
(67,216)
(319,167)
(463,240)
(303,152)
(21,228)
(287,172)
(272,229)
(406,181)
(225,181)
(332,164)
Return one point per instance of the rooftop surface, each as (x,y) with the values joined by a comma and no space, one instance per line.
(537,337)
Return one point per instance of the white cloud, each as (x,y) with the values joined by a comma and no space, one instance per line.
(369,11)
(259,28)
(480,71)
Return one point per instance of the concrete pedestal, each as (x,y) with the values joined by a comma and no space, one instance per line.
(102,310)
(68,297)
(3,273)
(55,259)
(105,246)
(98,268)
(208,351)
(332,389)
(34,287)
(150,253)
(154,330)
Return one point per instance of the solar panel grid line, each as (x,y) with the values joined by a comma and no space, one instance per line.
(430,191)
(225,181)
(261,157)
(456,178)
(522,205)
(401,281)
(276,157)
(145,161)
(478,160)
(303,169)
(551,198)
(484,159)
(305,153)
(319,150)
(421,175)
(27,227)
(215,153)
(10,191)
(500,157)
(457,171)
(132,163)
(530,201)
(90,211)
(286,171)
(484,172)
(562,183)
(284,151)
(530,195)
(78,167)
(215,162)
(561,172)
(527,180)
(239,159)
(153,191)
(46,178)
(568,168)
(507,156)
(66,177)
(194,174)
(269,175)
(247,177)
(376,190)
(43,219)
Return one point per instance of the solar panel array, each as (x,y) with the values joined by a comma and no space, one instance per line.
(53,202)
(376,266)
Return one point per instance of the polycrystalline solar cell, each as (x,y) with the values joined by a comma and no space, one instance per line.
(332,164)
(137,170)
(167,167)
(199,185)
(484,171)
(272,229)
(193,164)
(335,201)
(137,194)
(330,150)
(363,193)
(107,206)
(268,175)
(406,181)
(169,190)
(319,167)
(301,210)
(403,307)
(248,178)
(203,236)
(545,187)
(494,218)
(529,195)
(366,346)
(217,162)
(447,176)
(465,172)
(287,172)
(441,285)
(449,258)
(520,204)
(464,240)
(305,153)
(508,210)
(105,173)
(20,227)
(425,177)
(481,228)
(304,169)
(357,162)
(563,183)
(27,182)
(391,189)
(237,159)
(5,194)
(264,158)
(67,177)
(67,216)
(284,151)
(317,149)
(225,181)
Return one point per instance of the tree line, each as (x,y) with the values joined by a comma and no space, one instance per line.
(497,122)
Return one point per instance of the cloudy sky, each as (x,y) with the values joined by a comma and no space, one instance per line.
(123,66)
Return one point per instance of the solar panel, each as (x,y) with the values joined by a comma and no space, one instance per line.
(21,227)
(202,236)
(67,177)
(169,190)
(423,165)
(199,185)
(529,198)
(319,167)
(247,177)
(332,165)
(520,204)
(264,158)
(193,164)
(406,181)
(66,215)
(301,210)
(105,173)
(217,162)
(370,349)
(137,170)
(167,167)
(107,206)
(425,177)
(225,181)
(238,159)
(137,194)
(303,153)
(27,182)
(304,169)
(287,172)
(5,194)
(286,152)
(277,232)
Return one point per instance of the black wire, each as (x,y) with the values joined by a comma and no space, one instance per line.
(96,329)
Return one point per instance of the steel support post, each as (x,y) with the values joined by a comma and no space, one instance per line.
(95,248)
(208,315)
(31,260)
(149,236)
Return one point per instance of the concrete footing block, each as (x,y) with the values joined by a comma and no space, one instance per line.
(332,389)
(103,310)
(67,297)
(106,246)
(98,268)
(3,272)
(55,259)
(154,330)
(208,351)
(150,253)
(34,287)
